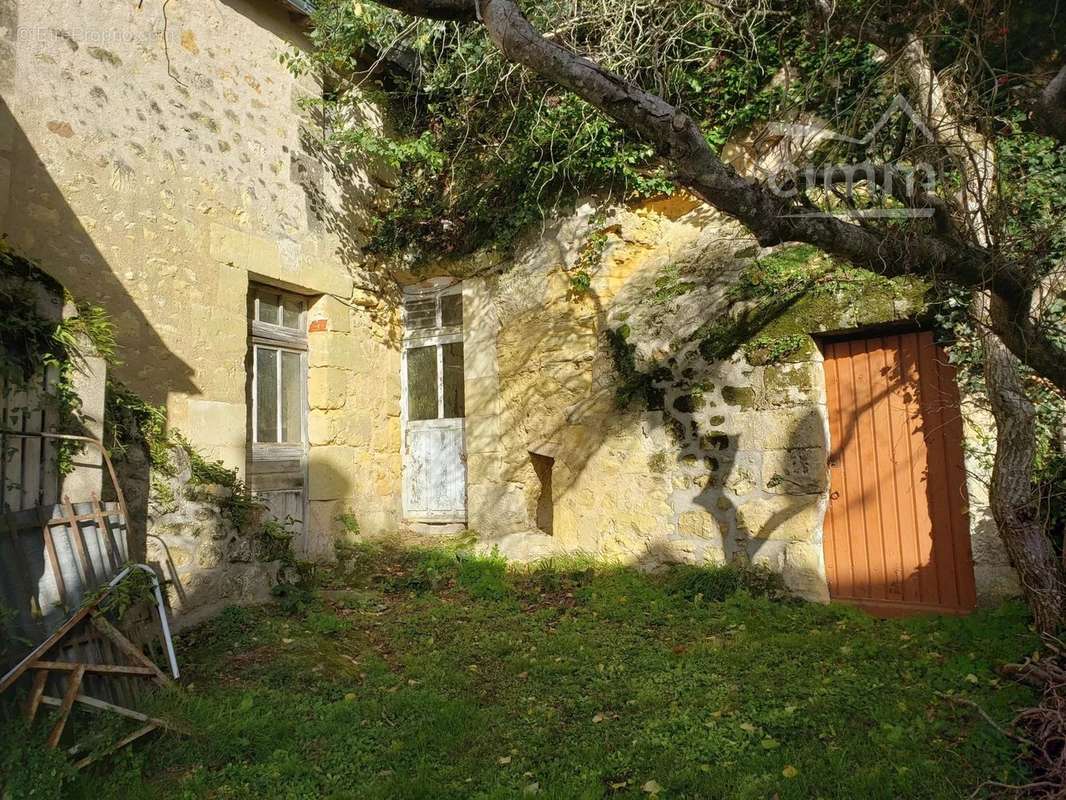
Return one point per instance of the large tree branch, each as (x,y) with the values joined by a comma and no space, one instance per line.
(1050,111)
(771,218)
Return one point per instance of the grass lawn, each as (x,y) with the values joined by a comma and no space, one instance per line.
(420,675)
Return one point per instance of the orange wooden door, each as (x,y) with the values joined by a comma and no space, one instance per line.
(897,534)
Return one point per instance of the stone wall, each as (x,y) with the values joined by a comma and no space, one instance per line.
(209,559)
(156,172)
(730,463)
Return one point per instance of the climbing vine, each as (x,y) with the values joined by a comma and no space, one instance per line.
(34,344)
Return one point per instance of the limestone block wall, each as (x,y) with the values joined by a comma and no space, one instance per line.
(729,463)
(354,420)
(157,174)
(208,561)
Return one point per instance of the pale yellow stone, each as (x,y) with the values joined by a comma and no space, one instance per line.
(354,428)
(804,571)
(333,312)
(218,425)
(385,434)
(320,428)
(232,289)
(783,429)
(798,471)
(483,434)
(326,387)
(740,481)
(698,523)
(331,472)
(780,517)
(333,350)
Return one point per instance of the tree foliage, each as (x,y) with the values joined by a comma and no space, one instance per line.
(486,149)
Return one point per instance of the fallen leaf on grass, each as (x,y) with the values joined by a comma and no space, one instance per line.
(790,771)
(652,787)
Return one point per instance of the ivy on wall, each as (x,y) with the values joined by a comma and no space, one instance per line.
(32,343)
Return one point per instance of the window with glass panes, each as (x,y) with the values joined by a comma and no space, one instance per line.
(433,331)
(278,356)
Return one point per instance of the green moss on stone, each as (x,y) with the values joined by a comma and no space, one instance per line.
(741,396)
(798,291)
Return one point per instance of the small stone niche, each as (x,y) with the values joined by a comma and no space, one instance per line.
(543,466)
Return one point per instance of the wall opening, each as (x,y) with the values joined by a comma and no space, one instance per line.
(543,465)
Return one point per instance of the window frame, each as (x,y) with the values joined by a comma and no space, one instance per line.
(436,336)
(281,339)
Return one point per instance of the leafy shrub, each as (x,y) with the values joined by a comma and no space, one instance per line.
(715,584)
(349,522)
(28,767)
(431,570)
(292,600)
(274,540)
(32,343)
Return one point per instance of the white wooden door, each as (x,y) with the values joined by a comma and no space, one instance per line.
(434,457)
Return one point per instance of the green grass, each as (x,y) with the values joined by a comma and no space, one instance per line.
(431,675)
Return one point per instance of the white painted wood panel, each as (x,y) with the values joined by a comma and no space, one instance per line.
(434,454)
(435,471)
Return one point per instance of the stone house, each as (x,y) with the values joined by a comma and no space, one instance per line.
(165,168)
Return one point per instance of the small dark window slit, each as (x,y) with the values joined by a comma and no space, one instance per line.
(543,465)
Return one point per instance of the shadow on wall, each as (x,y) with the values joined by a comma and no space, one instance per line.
(40,224)
(900,533)
(564,407)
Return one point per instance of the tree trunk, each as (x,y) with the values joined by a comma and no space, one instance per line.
(1014,498)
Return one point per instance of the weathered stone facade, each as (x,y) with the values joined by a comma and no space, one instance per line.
(735,463)
(208,559)
(157,175)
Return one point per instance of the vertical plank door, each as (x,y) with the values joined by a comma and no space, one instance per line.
(897,535)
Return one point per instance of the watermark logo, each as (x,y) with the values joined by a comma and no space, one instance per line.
(77,35)
(851,185)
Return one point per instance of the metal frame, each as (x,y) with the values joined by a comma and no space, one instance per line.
(121,499)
